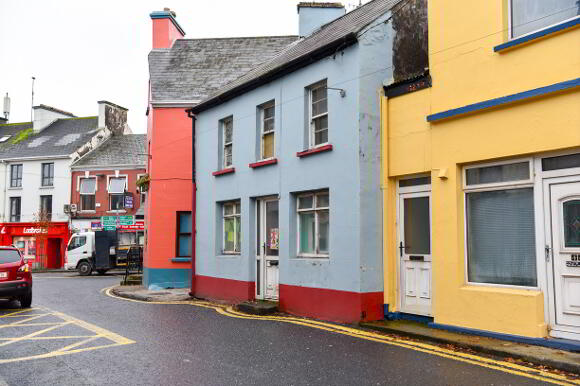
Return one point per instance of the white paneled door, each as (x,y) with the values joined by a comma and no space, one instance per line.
(268,244)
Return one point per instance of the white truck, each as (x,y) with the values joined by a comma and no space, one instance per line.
(88,251)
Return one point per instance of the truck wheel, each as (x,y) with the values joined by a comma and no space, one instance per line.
(84,268)
(101,272)
(26,300)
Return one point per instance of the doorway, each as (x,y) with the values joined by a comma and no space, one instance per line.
(414,234)
(267,248)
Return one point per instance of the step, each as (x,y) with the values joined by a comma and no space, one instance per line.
(258,307)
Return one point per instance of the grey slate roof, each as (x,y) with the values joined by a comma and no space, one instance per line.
(193,68)
(339,30)
(61,138)
(126,149)
(13,128)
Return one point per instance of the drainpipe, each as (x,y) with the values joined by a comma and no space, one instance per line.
(5,164)
(191,115)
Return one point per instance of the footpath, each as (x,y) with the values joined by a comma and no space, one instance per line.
(567,360)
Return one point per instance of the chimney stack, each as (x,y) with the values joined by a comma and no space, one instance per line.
(166,29)
(312,16)
(6,108)
(112,117)
(44,115)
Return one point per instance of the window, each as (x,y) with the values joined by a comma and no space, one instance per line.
(228,144)
(88,187)
(528,16)
(267,124)
(14,209)
(232,227)
(183,234)
(16,176)
(499,209)
(77,242)
(117,186)
(561,162)
(5,138)
(318,116)
(47,174)
(313,224)
(46,208)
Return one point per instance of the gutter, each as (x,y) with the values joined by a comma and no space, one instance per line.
(193,203)
(39,158)
(108,167)
(285,69)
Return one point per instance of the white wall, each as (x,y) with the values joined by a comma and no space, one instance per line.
(31,189)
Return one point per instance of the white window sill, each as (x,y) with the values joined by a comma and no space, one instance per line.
(87,211)
(116,211)
(225,255)
(15,188)
(46,187)
(312,256)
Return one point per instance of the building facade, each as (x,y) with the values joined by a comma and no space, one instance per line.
(287,167)
(183,72)
(481,173)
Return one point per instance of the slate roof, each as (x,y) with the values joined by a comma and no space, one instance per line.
(61,138)
(126,149)
(329,38)
(193,68)
(13,128)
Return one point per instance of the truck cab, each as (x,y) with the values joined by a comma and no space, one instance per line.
(79,252)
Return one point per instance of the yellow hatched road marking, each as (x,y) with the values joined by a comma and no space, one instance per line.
(503,366)
(17,312)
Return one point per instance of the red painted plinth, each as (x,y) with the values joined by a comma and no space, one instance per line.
(259,164)
(316,150)
(223,289)
(224,171)
(332,305)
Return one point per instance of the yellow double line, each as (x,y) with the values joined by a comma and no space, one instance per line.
(489,363)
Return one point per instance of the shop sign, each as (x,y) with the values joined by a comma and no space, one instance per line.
(34,231)
(129,201)
(110,223)
(96,225)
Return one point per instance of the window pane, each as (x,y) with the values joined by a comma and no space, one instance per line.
(117,201)
(323,228)
(319,107)
(117,185)
(269,111)
(268,145)
(319,92)
(229,234)
(227,155)
(572,224)
(185,245)
(88,185)
(500,237)
(228,131)
(417,230)
(306,202)
(321,137)
(238,234)
(87,202)
(185,223)
(306,232)
(228,209)
(415,181)
(500,173)
(321,130)
(322,200)
(532,15)
(561,162)
(268,125)
(237,208)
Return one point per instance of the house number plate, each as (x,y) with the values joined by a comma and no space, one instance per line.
(574,261)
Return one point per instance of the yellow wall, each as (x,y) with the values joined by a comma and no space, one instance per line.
(465,70)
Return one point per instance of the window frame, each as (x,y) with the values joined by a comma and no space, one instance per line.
(19,173)
(510,23)
(315,210)
(178,233)
(508,185)
(311,126)
(223,123)
(43,198)
(16,217)
(234,203)
(263,107)
(80,181)
(123,209)
(51,174)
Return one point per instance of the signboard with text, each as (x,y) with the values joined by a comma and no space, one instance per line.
(110,223)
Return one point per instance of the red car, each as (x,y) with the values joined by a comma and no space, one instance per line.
(15,277)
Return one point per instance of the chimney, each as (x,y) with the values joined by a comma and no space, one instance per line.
(6,108)
(112,117)
(312,16)
(165,28)
(44,115)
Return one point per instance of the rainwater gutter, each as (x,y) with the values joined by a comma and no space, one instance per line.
(191,115)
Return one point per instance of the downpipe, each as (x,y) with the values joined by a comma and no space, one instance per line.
(191,115)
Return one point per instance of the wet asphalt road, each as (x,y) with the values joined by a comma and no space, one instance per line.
(186,345)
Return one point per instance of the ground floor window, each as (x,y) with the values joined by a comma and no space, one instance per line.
(499,210)
(183,234)
(232,227)
(313,224)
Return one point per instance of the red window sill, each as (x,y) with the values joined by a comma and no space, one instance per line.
(259,164)
(316,150)
(224,171)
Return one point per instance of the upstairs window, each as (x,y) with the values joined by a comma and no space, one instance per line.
(318,114)
(47,174)
(16,176)
(267,125)
(45,208)
(117,187)
(527,16)
(15,209)
(228,141)
(88,187)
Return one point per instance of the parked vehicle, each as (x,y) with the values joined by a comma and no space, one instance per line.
(15,277)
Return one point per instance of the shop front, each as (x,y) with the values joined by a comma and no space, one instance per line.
(43,246)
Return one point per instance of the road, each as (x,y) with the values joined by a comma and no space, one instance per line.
(77,335)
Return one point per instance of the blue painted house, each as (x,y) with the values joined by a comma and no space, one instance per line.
(287,171)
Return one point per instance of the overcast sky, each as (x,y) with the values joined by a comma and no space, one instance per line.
(84,51)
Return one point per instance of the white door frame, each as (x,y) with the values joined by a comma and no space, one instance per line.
(260,290)
(402,193)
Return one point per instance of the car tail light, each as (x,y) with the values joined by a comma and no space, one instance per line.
(23,268)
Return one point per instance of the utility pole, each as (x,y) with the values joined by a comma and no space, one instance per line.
(32,101)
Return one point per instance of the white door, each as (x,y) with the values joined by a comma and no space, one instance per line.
(267,230)
(565,257)
(415,252)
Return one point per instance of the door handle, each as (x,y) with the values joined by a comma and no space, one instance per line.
(85,252)
(264,248)
(401,248)
(548,250)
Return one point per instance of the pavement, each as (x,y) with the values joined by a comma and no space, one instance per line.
(80,333)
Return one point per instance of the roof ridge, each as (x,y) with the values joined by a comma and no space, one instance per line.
(241,37)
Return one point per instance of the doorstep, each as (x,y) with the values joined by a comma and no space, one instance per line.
(259,307)
(559,359)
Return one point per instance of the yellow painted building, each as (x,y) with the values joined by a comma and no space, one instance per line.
(481,171)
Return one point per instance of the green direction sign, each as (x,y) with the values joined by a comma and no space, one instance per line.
(110,223)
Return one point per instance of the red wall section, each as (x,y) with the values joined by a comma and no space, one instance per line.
(102,196)
(207,287)
(170,188)
(164,33)
(332,305)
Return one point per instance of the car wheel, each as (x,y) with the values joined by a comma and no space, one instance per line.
(84,268)
(101,271)
(26,300)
